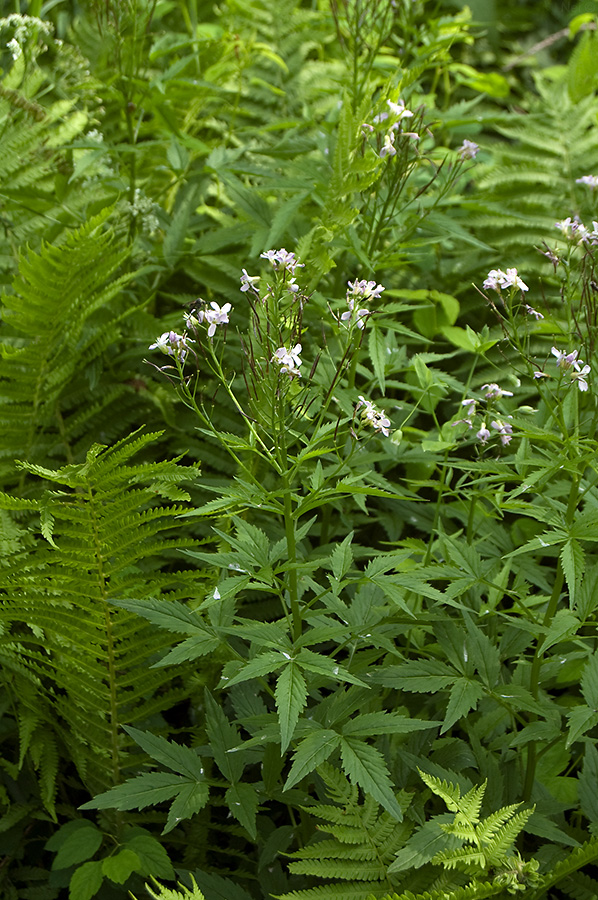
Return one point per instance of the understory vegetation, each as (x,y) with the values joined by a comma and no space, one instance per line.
(298,450)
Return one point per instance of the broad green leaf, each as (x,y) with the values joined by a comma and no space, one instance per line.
(121,866)
(223,736)
(190,799)
(465,695)
(139,792)
(242,800)
(153,858)
(86,881)
(179,758)
(291,696)
(78,845)
(365,767)
(310,752)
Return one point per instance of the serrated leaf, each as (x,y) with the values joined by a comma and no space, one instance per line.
(365,767)
(573,563)
(588,779)
(589,681)
(563,626)
(179,758)
(192,648)
(581,719)
(464,696)
(310,752)
(323,665)
(223,736)
(139,792)
(168,614)
(342,558)
(290,696)
(86,881)
(190,799)
(384,723)
(261,665)
(242,800)
(378,355)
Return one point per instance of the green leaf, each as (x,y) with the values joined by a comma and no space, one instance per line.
(384,723)
(581,719)
(378,355)
(190,799)
(168,614)
(153,858)
(256,668)
(323,665)
(342,558)
(120,867)
(243,802)
(139,792)
(589,681)
(573,563)
(78,845)
(223,736)
(588,779)
(427,676)
(177,757)
(365,767)
(193,648)
(465,694)
(563,626)
(310,752)
(291,696)
(86,881)
(177,230)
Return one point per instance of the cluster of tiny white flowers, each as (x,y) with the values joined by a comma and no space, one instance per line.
(289,360)
(24,28)
(498,280)
(142,208)
(172,344)
(590,181)
(373,417)
(468,150)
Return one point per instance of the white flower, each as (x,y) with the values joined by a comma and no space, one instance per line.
(371,416)
(493,392)
(366,129)
(512,279)
(282,259)
(398,110)
(565,360)
(579,376)
(218,315)
(504,430)
(470,407)
(364,290)
(483,434)
(380,118)
(533,312)
(172,344)
(15,48)
(468,150)
(248,281)
(590,180)
(359,315)
(388,148)
(493,280)
(288,360)
(573,229)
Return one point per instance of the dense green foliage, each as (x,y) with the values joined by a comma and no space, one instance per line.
(298,599)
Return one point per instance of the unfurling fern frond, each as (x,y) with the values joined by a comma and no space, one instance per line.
(79,667)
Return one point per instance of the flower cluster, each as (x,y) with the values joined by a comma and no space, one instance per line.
(569,362)
(362,291)
(289,360)
(498,280)
(172,344)
(373,417)
(282,259)
(25,27)
(397,112)
(468,150)
(590,181)
(576,232)
(216,315)
(504,430)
